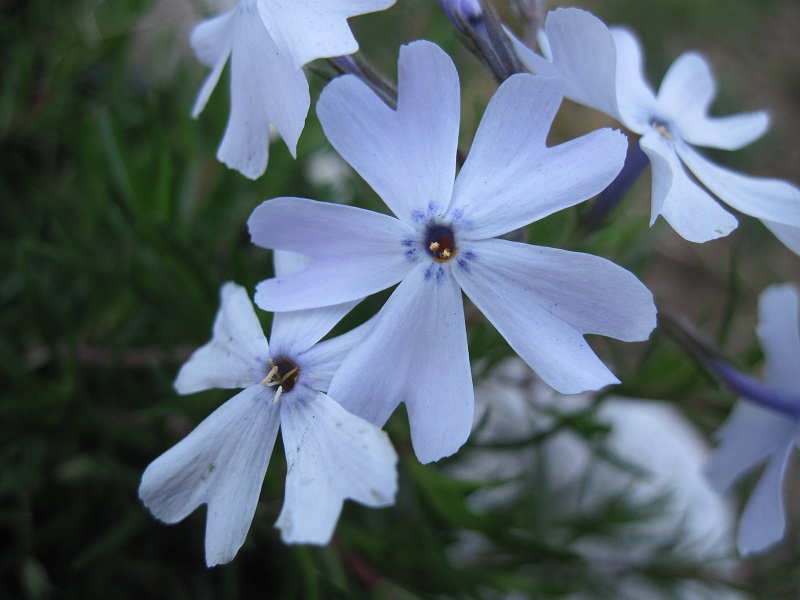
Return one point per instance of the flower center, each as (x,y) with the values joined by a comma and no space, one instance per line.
(440,242)
(283,374)
(662,127)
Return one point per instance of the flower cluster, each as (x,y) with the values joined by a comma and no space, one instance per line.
(445,237)
(603,68)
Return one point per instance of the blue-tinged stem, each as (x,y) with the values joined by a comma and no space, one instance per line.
(754,390)
(482,32)
(361,69)
(708,355)
(635,162)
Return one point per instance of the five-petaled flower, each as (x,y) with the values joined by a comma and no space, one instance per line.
(268,42)
(331,454)
(602,68)
(756,434)
(443,241)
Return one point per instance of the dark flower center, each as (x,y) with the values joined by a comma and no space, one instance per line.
(440,242)
(662,127)
(283,374)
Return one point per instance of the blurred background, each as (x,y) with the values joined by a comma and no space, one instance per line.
(119,226)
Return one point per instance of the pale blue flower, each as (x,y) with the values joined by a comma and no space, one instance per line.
(764,429)
(331,454)
(268,42)
(444,240)
(602,68)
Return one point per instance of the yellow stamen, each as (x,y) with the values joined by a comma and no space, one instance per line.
(663,131)
(269,379)
(446,253)
(289,374)
(277,394)
(434,246)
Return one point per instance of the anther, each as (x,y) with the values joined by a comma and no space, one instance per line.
(268,380)
(440,241)
(283,374)
(662,129)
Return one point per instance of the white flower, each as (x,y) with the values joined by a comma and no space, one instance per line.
(754,434)
(331,454)
(268,42)
(602,68)
(680,516)
(513,405)
(443,241)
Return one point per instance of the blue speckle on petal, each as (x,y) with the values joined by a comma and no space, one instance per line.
(428,273)
(439,274)
(417,216)
(463,264)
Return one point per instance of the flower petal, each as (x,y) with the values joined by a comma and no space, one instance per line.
(691,212)
(688,87)
(211,39)
(587,292)
(788,235)
(728,133)
(265,87)
(305,31)
(331,455)
(237,353)
(746,439)
(355,252)
(770,199)
(407,156)
(209,84)
(415,352)
(296,331)
(221,463)
(636,101)
(763,521)
(511,178)
(779,334)
(322,360)
(685,95)
(542,300)
(287,262)
(583,58)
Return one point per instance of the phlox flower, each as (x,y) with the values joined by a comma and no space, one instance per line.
(756,434)
(602,68)
(443,240)
(331,454)
(268,42)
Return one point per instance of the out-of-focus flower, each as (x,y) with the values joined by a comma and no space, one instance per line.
(326,169)
(158,39)
(662,479)
(268,42)
(331,454)
(443,241)
(765,425)
(602,68)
